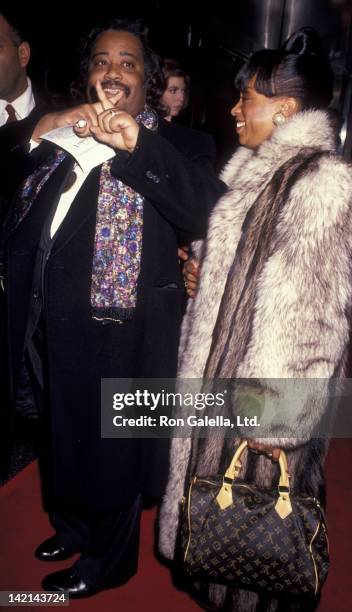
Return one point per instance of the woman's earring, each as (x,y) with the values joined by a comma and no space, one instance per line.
(278,118)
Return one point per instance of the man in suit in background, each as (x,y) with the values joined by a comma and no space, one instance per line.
(16,94)
(20,105)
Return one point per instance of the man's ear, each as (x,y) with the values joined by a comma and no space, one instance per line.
(24,54)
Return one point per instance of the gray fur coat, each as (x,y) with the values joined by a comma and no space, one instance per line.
(300,318)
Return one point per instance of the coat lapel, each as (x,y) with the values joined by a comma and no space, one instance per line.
(81,210)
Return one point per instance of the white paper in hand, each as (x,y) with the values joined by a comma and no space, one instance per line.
(87,152)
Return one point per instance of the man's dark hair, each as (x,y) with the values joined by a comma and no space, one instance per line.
(18,34)
(300,68)
(152,62)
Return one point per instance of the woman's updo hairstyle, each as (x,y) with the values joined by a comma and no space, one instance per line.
(299,69)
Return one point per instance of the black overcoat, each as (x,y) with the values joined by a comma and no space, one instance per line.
(173,170)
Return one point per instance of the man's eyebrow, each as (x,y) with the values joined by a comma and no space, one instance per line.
(129,54)
(122,53)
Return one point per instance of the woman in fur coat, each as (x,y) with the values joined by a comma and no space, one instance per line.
(275,287)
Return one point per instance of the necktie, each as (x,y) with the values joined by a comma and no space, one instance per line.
(11,113)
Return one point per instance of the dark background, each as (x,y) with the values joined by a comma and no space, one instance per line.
(210,43)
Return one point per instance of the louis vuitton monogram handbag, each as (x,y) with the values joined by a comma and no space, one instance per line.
(259,539)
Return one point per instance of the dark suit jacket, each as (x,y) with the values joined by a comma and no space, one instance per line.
(14,139)
(173,170)
(15,164)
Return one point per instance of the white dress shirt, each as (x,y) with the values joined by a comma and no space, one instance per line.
(23,105)
(66,199)
(68,196)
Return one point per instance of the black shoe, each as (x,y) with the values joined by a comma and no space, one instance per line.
(51,550)
(67,581)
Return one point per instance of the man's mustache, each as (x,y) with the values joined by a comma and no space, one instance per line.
(109,84)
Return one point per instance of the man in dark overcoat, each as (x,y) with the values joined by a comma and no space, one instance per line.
(81,310)
(21,106)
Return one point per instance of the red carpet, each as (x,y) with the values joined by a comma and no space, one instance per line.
(23,525)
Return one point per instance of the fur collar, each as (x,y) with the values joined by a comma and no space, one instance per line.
(311,128)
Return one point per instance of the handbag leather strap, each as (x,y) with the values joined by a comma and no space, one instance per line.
(225,496)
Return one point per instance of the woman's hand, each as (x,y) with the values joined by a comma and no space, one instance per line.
(271,451)
(191,276)
(183,253)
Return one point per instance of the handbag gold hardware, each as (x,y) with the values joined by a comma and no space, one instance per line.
(225,497)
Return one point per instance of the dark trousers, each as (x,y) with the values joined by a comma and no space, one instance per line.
(108,542)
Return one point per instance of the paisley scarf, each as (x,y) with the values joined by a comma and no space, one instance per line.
(118,233)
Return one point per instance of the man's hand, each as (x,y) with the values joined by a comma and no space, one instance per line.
(85,115)
(115,128)
(271,451)
(102,120)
